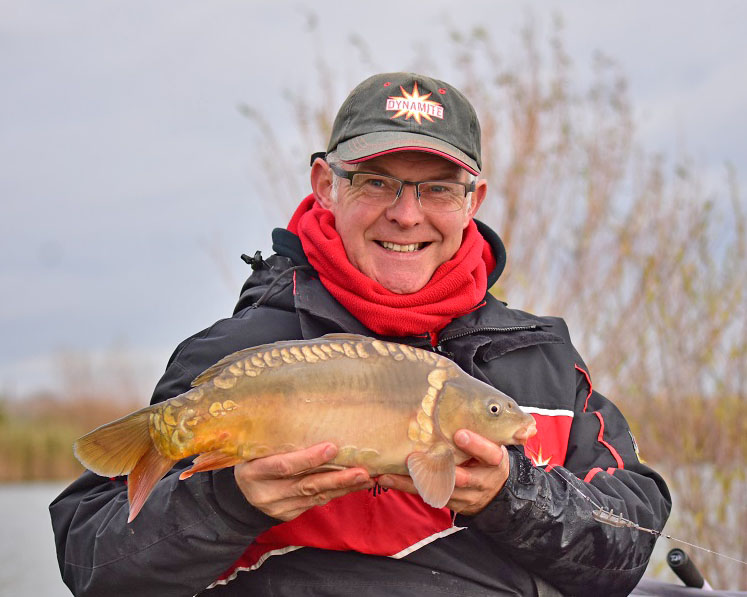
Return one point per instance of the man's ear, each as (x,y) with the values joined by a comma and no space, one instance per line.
(478,196)
(321,182)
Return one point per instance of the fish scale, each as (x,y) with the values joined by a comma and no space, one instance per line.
(389,408)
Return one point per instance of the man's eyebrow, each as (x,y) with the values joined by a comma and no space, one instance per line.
(446,174)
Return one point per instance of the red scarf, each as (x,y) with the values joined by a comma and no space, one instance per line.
(457,287)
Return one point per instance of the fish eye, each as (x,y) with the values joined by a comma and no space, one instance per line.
(494,409)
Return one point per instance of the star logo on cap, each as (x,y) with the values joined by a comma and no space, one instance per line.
(415,106)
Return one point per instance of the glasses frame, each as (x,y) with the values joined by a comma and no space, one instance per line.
(349,174)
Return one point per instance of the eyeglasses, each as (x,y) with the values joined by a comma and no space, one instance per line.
(382,190)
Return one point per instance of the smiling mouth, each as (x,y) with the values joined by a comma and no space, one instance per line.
(402,248)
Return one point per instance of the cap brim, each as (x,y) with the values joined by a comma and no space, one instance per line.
(371,145)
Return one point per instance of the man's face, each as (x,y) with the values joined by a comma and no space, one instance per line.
(401,246)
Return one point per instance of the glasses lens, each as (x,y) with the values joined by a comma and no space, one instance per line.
(441,196)
(374,189)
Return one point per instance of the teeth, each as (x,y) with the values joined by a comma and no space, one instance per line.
(401,248)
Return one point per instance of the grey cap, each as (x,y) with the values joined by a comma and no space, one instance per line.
(407,112)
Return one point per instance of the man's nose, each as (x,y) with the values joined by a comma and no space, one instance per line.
(406,210)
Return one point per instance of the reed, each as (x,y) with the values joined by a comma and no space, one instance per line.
(37,433)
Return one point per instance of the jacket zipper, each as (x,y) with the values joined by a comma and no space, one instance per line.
(513,328)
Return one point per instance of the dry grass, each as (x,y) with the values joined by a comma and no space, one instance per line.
(37,433)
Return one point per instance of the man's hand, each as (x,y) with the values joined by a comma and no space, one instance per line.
(478,480)
(274,486)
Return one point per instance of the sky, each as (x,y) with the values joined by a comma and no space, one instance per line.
(129,177)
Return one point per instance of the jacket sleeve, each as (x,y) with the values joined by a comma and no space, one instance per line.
(187,533)
(543,515)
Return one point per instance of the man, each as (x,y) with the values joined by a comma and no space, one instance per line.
(386,245)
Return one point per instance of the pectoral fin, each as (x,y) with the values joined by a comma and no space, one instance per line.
(433,473)
(210,461)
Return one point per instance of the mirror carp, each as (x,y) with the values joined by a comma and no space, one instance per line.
(389,408)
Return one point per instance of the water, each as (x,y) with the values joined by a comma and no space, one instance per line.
(28,563)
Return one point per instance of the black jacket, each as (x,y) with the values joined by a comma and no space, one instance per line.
(191,532)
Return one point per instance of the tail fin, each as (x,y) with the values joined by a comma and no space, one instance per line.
(115,448)
(124,447)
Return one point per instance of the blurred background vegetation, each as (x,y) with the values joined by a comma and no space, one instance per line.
(644,254)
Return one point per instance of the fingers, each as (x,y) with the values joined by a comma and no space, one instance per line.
(330,483)
(284,465)
(286,499)
(479,447)
(399,482)
(477,481)
(480,477)
(275,486)
(477,484)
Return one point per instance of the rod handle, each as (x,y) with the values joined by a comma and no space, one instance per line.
(685,569)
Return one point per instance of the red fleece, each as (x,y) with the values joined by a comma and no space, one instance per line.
(457,286)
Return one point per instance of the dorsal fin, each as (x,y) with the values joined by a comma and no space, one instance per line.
(214,370)
(346,336)
(227,360)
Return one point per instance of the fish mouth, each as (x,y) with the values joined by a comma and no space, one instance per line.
(523,434)
(399,248)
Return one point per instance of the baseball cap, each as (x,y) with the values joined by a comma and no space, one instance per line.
(392,112)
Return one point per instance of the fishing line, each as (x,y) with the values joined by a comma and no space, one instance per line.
(608,517)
